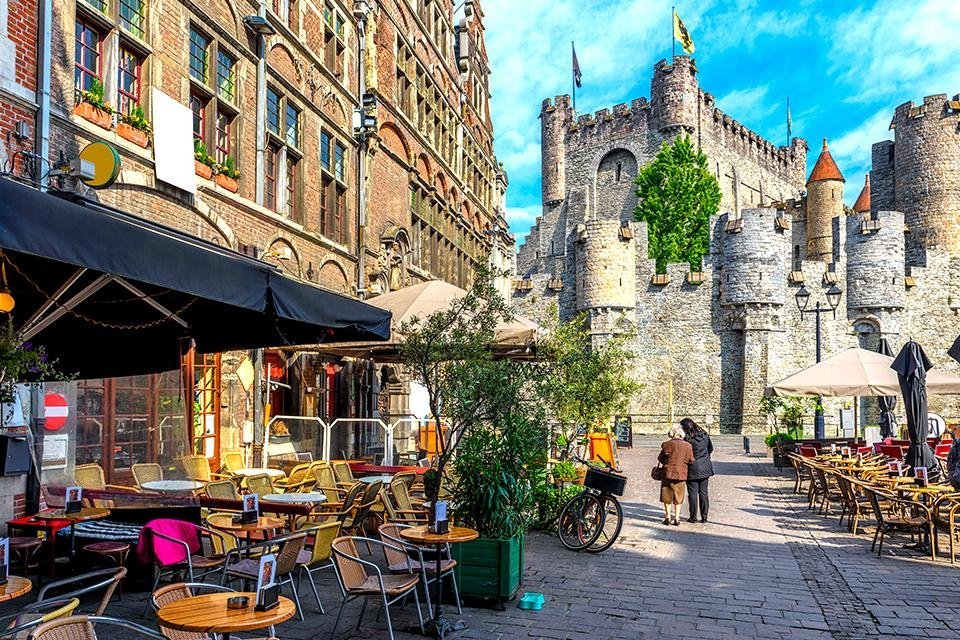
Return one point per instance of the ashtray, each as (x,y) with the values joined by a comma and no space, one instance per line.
(238,602)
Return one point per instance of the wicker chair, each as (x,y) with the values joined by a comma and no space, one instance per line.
(900,516)
(317,556)
(146,472)
(299,476)
(404,505)
(83,628)
(17,624)
(353,521)
(91,476)
(232,461)
(105,580)
(359,578)
(260,484)
(197,467)
(412,558)
(345,506)
(801,470)
(243,562)
(178,591)
(222,490)
(343,473)
(327,482)
(855,503)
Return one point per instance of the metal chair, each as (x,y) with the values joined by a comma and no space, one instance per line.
(83,628)
(360,578)
(900,517)
(243,563)
(146,472)
(106,580)
(317,557)
(401,562)
(15,625)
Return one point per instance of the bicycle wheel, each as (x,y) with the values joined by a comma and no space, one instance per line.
(580,522)
(610,528)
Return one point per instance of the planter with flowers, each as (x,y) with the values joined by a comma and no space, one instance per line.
(93,106)
(227,175)
(203,162)
(134,127)
(22,362)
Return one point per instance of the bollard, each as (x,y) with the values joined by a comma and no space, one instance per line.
(746,445)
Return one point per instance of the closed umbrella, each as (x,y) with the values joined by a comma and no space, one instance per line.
(911,365)
(887,403)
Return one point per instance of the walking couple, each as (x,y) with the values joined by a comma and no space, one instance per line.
(685,466)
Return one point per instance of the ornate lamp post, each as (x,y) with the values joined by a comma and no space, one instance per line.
(833,300)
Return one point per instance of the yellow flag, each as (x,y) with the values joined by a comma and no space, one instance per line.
(680,33)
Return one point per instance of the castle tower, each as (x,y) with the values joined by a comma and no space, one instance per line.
(673,95)
(606,266)
(555,116)
(927,179)
(824,203)
(862,205)
(875,264)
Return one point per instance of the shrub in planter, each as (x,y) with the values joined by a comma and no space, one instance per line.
(204,163)
(134,127)
(93,106)
(227,174)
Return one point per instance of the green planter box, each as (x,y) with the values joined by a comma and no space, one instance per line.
(490,568)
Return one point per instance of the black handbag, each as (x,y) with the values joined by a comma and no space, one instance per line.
(657,472)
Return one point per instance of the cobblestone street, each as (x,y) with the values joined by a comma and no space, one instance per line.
(764,567)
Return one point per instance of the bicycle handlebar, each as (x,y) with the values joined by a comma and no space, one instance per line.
(588,463)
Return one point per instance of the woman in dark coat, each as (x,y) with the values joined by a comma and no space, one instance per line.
(676,456)
(698,475)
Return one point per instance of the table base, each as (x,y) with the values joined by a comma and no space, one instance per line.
(438,629)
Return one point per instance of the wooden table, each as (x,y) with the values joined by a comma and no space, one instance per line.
(14,588)
(45,529)
(173,486)
(208,613)
(227,523)
(85,514)
(439,627)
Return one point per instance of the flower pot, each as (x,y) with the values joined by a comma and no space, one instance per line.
(134,135)
(489,568)
(94,114)
(205,171)
(228,183)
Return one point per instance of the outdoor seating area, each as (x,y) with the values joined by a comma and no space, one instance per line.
(323,525)
(874,493)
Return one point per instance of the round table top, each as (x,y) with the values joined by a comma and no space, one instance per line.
(172,485)
(87,513)
(421,535)
(255,471)
(208,613)
(229,524)
(296,498)
(377,478)
(14,588)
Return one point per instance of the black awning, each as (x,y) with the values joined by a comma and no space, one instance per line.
(143,288)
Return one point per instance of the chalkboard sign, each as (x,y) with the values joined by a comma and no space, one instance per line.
(623,431)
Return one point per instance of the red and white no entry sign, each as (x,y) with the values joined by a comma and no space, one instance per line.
(55,410)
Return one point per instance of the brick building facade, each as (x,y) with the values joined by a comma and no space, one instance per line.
(265,95)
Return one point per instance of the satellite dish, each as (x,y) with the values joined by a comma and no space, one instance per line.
(99,165)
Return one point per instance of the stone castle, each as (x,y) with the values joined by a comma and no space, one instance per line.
(708,342)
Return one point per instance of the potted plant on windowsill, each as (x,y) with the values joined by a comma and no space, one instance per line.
(134,127)
(227,174)
(93,106)
(203,163)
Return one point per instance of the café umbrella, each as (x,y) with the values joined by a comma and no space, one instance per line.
(887,403)
(912,365)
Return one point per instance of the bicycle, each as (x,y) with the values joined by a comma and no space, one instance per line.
(592,520)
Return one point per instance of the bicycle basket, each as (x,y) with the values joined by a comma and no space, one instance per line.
(605,481)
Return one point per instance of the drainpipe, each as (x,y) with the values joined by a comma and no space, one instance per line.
(362,11)
(44,60)
(261,104)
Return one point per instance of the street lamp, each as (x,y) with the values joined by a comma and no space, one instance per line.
(833,300)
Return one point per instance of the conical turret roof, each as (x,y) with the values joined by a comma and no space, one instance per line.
(826,168)
(863,200)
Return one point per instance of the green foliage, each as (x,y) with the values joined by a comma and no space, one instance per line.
(564,471)
(137,119)
(229,168)
(22,362)
(778,438)
(586,382)
(96,96)
(549,500)
(201,155)
(787,414)
(677,194)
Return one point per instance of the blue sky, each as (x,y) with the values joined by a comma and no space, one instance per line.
(844,65)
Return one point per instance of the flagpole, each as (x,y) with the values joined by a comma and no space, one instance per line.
(673,38)
(573,76)
(788,121)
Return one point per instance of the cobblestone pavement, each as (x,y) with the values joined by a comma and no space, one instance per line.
(763,567)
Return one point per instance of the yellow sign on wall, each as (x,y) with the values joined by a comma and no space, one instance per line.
(101,161)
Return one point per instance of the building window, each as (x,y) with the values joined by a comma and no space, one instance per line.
(339,162)
(292,121)
(128,80)
(325,150)
(199,113)
(226,76)
(333,46)
(273,110)
(339,216)
(88,50)
(326,193)
(199,55)
(292,201)
(270,178)
(223,137)
(133,16)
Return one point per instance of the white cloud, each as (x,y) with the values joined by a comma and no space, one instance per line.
(753,103)
(523,217)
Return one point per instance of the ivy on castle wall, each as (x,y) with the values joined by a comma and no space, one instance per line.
(676,195)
